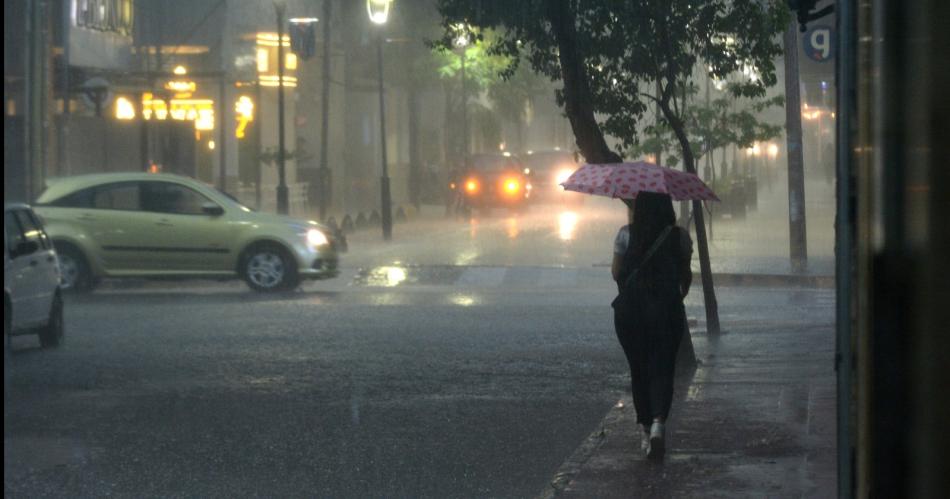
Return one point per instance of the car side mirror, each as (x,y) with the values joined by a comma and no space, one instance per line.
(212,209)
(25,248)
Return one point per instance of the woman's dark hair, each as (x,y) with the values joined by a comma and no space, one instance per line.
(652,212)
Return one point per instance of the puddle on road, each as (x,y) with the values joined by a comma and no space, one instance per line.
(399,275)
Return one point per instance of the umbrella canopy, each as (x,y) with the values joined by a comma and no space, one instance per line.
(626,180)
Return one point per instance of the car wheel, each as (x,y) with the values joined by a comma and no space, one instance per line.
(51,336)
(268,268)
(74,270)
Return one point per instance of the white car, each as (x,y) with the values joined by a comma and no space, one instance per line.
(32,299)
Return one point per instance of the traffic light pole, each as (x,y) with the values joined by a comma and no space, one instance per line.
(283,205)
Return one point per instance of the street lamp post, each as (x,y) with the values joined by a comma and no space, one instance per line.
(379,13)
(461,41)
(283,205)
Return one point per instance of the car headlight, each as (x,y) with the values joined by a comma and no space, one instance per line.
(317,238)
(562,177)
(471,186)
(512,186)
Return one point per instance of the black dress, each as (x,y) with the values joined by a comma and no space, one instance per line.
(649,319)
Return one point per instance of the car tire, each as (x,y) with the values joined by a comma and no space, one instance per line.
(268,267)
(51,336)
(74,268)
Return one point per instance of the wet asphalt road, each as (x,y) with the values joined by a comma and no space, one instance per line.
(467,383)
(317,394)
(466,359)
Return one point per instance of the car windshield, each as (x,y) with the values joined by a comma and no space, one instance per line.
(541,161)
(492,163)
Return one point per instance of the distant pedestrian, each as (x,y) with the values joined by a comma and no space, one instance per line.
(652,271)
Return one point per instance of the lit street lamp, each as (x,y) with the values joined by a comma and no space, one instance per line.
(378,11)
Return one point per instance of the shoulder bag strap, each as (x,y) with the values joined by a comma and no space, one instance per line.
(648,255)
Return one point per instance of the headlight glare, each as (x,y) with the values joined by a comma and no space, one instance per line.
(317,238)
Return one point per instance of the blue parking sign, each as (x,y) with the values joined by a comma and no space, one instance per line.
(819,43)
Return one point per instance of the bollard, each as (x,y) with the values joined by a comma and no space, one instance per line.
(347,226)
(331,224)
(374,219)
(361,222)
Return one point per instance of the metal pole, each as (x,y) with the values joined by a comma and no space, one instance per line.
(386,199)
(844,242)
(257,145)
(283,206)
(656,123)
(144,156)
(222,134)
(710,172)
(324,172)
(798,251)
(64,125)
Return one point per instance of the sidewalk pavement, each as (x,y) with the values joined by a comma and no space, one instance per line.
(756,419)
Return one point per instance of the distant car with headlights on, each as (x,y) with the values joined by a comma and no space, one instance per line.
(546,171)
(145,225)
(494,181)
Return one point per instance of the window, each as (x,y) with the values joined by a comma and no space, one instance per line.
(166,197)
(45,242)
(32,231)
(12,227)
(124,196)
(79,199)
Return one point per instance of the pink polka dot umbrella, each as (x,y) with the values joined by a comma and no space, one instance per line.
(626,180)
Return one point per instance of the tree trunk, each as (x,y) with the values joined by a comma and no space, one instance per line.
(577,95)
(689,162)
(798,249)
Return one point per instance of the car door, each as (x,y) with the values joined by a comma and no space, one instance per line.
(194,240)
(123,231)
(44,269)
(24,267)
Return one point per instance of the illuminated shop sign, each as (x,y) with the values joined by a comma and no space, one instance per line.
(266,56)
(112,16)
(201,111)
(244,112)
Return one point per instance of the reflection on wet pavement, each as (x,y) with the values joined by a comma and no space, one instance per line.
(567,224)
(511,228)
(388,276)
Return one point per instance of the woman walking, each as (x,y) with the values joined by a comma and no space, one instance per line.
(652,271)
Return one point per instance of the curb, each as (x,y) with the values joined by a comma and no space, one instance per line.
(573,465)
(763,280)
(359,221)
(771,280)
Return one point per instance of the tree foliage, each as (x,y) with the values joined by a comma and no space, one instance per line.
(723,122)
(634,54)
(616,59)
